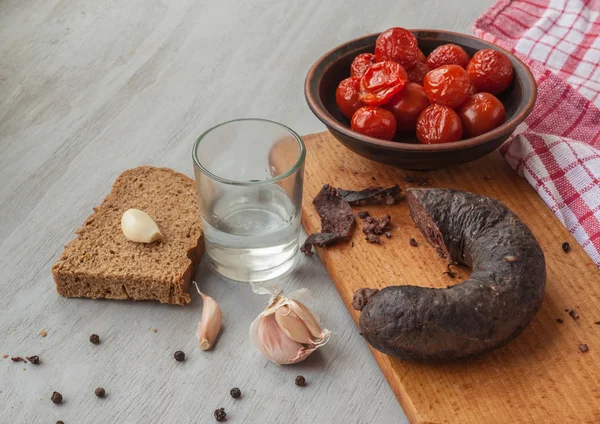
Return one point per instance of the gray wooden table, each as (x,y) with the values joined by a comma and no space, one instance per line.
(91,88)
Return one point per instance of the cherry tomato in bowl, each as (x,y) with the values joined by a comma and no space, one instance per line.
(482,112)
(447,85)
(346,96)
(381,81)
(490,71)
(439,124)
(374,122)
(398,45)
(361,63)
(418,72)
(407,105)
(448,54)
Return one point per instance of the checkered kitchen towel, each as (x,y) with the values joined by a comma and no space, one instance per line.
(557,148)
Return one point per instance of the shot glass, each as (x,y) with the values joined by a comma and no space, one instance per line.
(249,175)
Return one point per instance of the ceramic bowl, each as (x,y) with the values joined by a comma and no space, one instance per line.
(404,151)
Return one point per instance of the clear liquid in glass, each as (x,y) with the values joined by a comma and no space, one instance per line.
(252,234)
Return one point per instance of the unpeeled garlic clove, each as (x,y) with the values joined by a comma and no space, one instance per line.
(139,227)
(292,326)
(210,324)
(275,345)
(310,321)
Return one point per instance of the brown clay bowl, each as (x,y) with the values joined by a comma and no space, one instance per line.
(405,152)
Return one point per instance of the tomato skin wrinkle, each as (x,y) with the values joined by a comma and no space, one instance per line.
(490,71)
(448,54)
(347,96)
(361,64)
(399,45)
(374,122)
(447,85)
(381,81)
(439,124)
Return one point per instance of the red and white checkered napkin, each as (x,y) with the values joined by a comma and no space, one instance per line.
(557,148)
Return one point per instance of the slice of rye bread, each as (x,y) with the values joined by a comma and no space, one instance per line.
(101,263)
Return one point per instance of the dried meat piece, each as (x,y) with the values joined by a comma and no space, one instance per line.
(336,219)
(377,226)
(371,195)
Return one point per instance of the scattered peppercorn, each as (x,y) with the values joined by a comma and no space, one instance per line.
(60,422)
(583,348)
(179,356)
(566,246)
(300,380)
(18,359)
(220,414)
(559,320)
(100,392)
(372,238)
(154,330)
(363,214)
(35,360)
(374,179)
(94,338)
(412,242)
(56,398)
(574,314)
(235,393)
(388,234)
(5,355)
(43,333)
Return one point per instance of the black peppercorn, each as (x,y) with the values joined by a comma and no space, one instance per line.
(100,392)
(412,242)
(583,348)
(35,360)
(179,356)
(94,338)
(388,234)
(363,214)
(56,398)
(300,380)
(235,393)
(220,414)
(566,246)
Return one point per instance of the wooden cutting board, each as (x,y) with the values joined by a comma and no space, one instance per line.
(541,376)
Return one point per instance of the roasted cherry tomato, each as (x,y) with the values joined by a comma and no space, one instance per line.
(381,81)
(407,105)
(361,63)
(374,122)
(438,124)
(421,57)
(447,85)
(448,54)
(418,72)
(482,112)
(490,70)
(346,96)
(398,45)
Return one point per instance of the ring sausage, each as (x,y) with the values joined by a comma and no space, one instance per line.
(494,305)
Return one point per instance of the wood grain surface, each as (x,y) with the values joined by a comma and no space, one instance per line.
(89,89)
(541,376)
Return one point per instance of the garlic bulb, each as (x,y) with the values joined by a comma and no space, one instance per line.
(287,332)
(139,227)
(210,324)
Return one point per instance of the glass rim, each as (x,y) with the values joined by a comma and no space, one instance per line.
(280,177)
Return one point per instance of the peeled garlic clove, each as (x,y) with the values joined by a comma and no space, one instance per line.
(139,227)
(310,321)
(210,324)
(291,325)
(275,345)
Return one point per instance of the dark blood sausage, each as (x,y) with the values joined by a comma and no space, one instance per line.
(494,305)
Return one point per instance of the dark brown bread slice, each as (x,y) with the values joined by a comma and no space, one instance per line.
(102,263)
